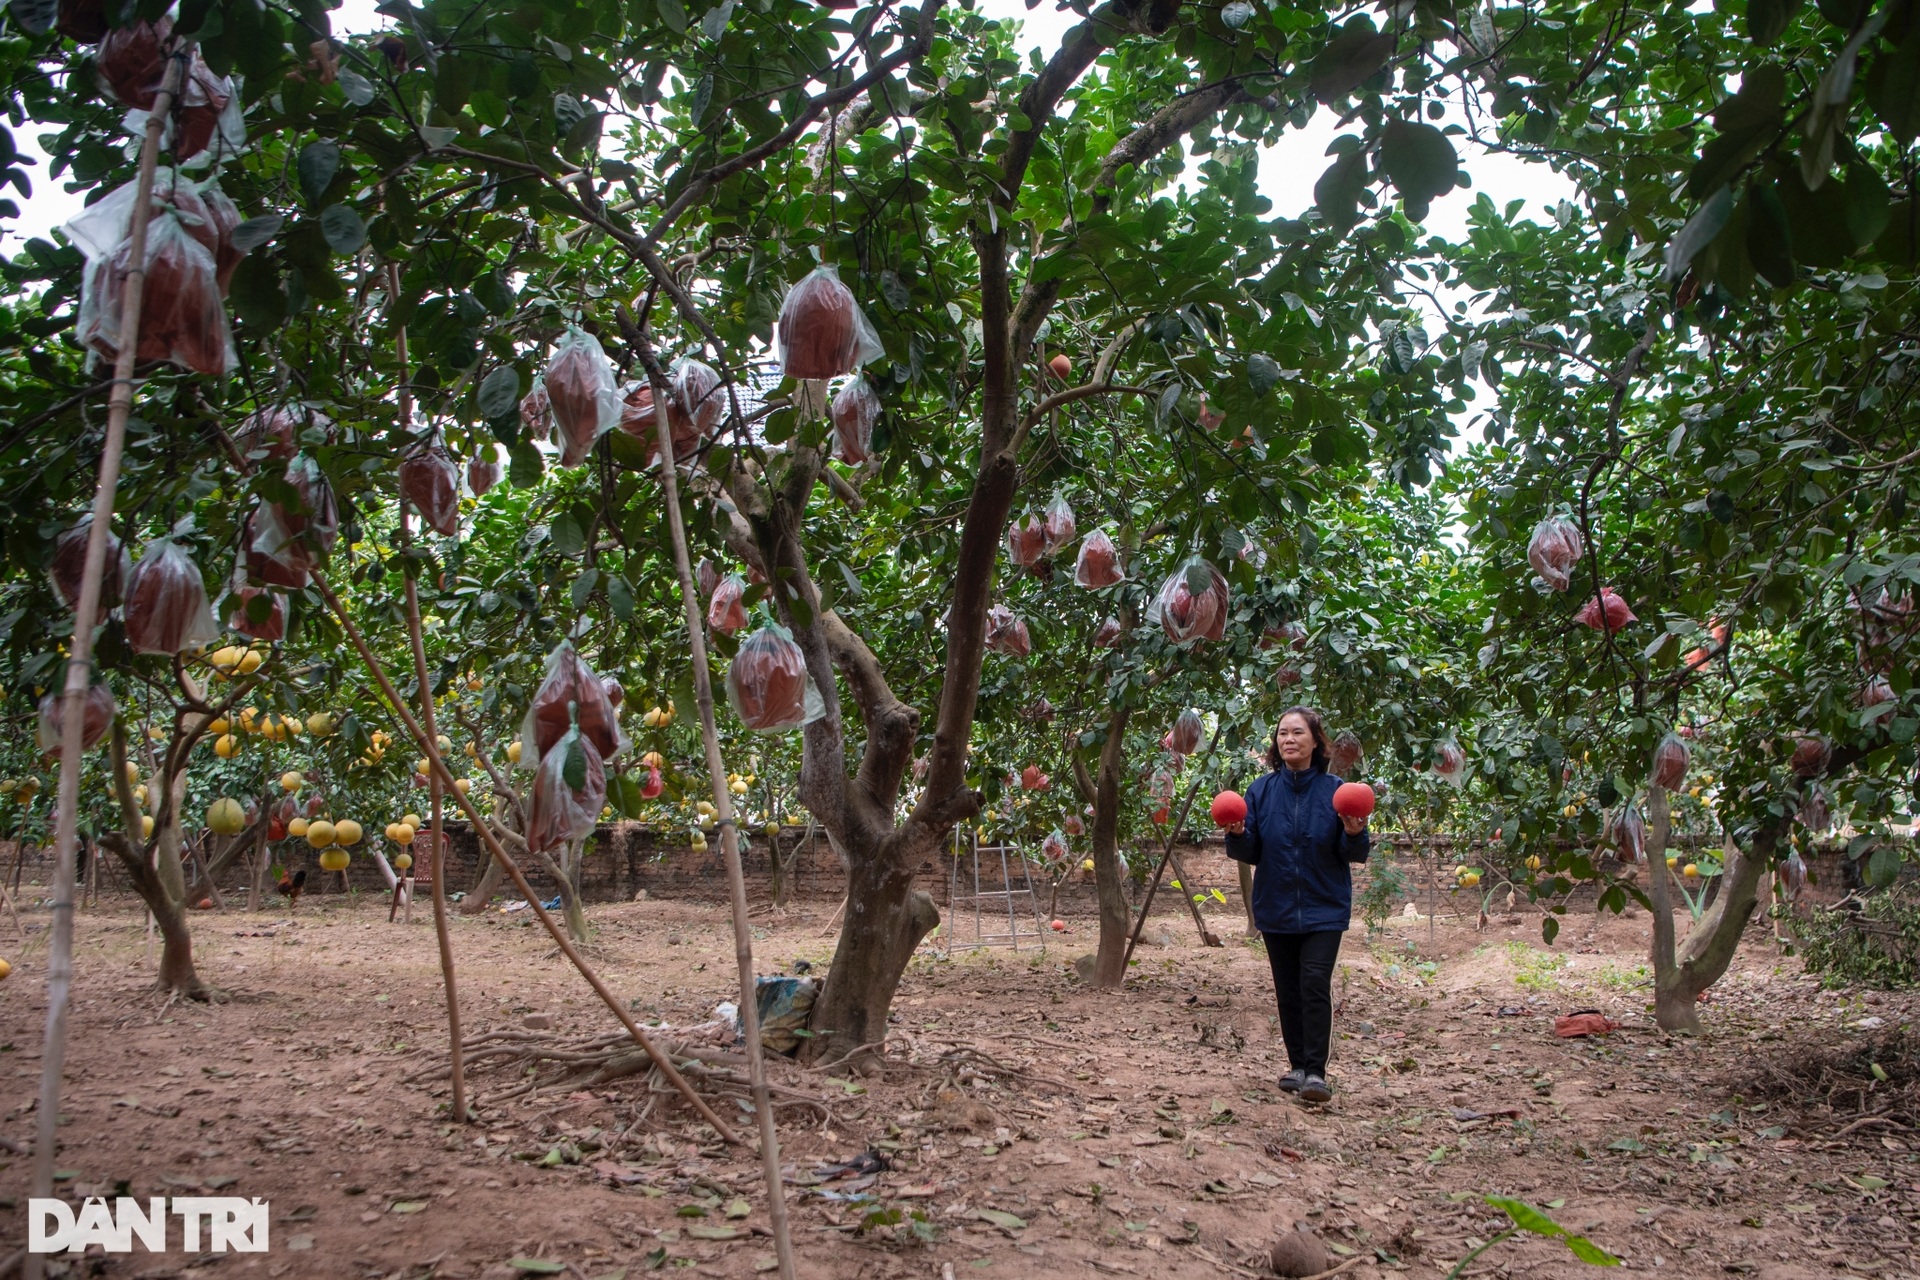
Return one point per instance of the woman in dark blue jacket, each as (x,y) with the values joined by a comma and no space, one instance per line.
(1301,852)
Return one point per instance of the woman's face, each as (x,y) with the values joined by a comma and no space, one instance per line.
(1294,739)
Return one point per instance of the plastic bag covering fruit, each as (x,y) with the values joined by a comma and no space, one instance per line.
(1607,609)
(1006,633)
(768,683)
(1353,800)
(1670,761)
(70,561)
(204,101)
(822,331)
(1450,763)
(1287,677)
(277,430)
(708,576)
(430,481)
(1108,635)
(1059,527)
(1186,614)
(1553,549)
(132,62)
(225,216)
(181,317)
(1074,826)
(1876,692)
(653,785)
(570,694)
(636,413)
(1813,812)
(482,474)
(270,628)
(1228,808)
(583,395)
(1184,738)
(1054,847)
(727,610)
(569,790)
(1292,634)
(855,409)
(96,717)
(1031,779)
(284,541)
(1099,563)
(1345,755)
(1811,756)
(536,413)
(167,609)
(616,692)
(1794,872)
(695,404)
(1026,540)
(1630,835)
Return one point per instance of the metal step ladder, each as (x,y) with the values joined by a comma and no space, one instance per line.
(973,919)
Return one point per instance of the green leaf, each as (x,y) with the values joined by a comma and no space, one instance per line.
(254,232)
(674,14)
(1420,162)
(1748,121)
(1766,19)
(500,392)
(1589,1252)
(1818,217)
(317,164)
(537,1266)
(1359,50)
(1700,230)
(1883,867)
(1263,373)
(620,597)
(358,88)
(713,24)
(344,229)
(568,538)
(1868,203)
(525,465)
(34,16)
(1526,1217)
(1005,1221)
(1337,193)
(1769,238)
(1893,88)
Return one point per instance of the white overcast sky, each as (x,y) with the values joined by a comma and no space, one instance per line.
(1287,170)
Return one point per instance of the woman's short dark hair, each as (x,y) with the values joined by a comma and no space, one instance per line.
(1314,726)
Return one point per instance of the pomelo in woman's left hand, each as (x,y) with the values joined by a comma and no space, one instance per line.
(1229,808)
(1353,800)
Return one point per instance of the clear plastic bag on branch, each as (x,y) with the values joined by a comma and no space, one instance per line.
(204,114)
(1553,550)
(1345,756)
(583,394)
(96,717)
(69,565)
(181,317)
(1605,611)
(695,404)
(1054,848)
(274,553)
(1098,564)
(727,608)
(707,574)
(569,790)
(1876,692)
(536,413)
(482,473)
(652,785)
(855,409)
(616,692)
(1192,603)
(1794,872)
(636,414)
(1026,540)
(1813,812)
(1287,675)
(1291,634)
(1670,762)
(1811,756)
(132,62)
(271,625)
(822,332)
(768,684)
(1630,835)
(225,216)
(166,609)
(276,431)
(430,481)
(1007,633)
(1450,764)
(1032,779)
(1184,738)
(569,695)
(1058,527)
(1108,635)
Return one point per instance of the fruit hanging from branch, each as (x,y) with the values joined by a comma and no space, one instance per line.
(1553,550)
(1605,611)
(822,333)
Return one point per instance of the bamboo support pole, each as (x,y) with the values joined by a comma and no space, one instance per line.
(431,749)
(437,856)
(1166,856)
(86,613)
(729,839)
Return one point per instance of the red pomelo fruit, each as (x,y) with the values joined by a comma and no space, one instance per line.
(1353,800)
(1228,808)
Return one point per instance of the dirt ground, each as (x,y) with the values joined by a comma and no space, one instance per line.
(1030,1127)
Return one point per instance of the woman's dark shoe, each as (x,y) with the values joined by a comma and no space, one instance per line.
(1316,1089)
(1293,1081)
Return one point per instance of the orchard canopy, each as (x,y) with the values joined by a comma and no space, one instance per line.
(1010,420)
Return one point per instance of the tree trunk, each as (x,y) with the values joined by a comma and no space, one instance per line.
(886,919)
(1110,961)
(1673,1000)
(475,903)
(176,953)
(562,873)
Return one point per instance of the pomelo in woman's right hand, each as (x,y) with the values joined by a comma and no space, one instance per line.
(1353,800)
(1228,809)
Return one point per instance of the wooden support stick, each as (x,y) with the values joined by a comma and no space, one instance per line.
(1166,856)
(86,612)
(436,855)
(431,750)
(729,835)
